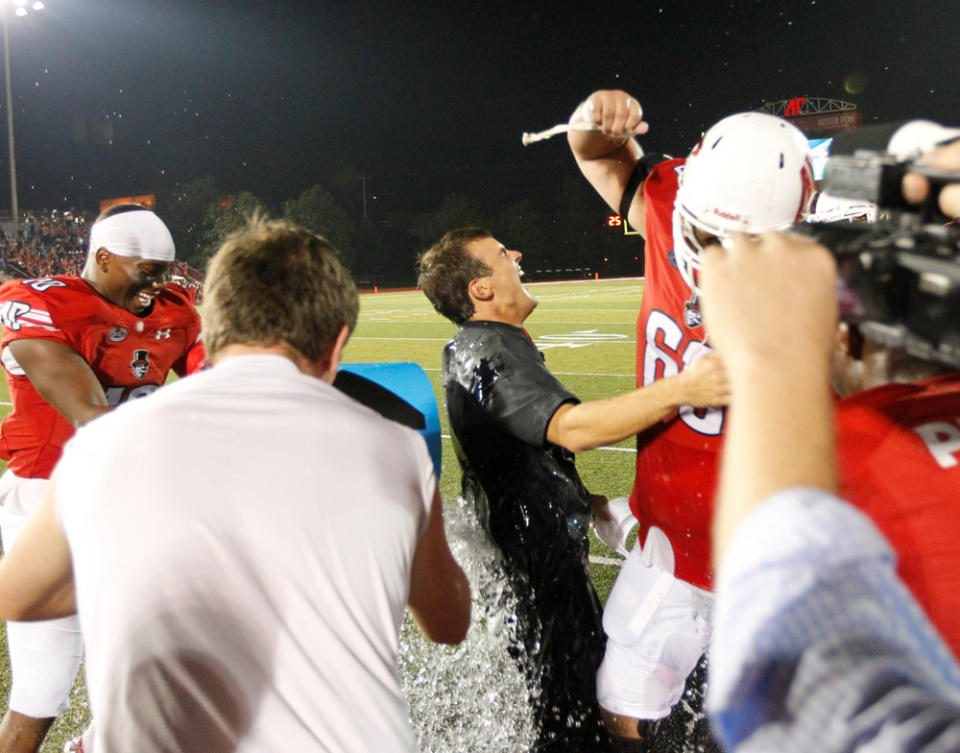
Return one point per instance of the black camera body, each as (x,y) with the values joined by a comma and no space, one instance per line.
(899,278)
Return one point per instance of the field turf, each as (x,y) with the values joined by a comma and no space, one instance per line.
(586,331)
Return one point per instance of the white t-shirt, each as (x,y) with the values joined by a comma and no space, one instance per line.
(242,543)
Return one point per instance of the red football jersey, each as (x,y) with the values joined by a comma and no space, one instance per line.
(899,457)
(130,355)
(899,445)
(677,460)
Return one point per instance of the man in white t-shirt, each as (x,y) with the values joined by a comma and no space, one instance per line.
(243,544)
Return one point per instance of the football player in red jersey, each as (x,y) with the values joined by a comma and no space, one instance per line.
(898,443)
(750,173)
(72,348)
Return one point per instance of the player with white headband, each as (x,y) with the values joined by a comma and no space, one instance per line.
(138,233)
(118,238)
(73,347)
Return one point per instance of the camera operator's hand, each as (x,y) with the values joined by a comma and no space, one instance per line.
(769,306)
(915,187)
(770,299)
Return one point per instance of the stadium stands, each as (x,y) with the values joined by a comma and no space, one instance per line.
(52,242)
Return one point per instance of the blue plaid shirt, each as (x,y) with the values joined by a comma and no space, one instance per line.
(817,646)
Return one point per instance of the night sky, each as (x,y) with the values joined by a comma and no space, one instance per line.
(120,97)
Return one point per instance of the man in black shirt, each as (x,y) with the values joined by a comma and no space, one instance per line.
(515,431)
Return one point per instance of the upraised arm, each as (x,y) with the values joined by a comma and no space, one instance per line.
(780,425)
(607,156)
(439,592)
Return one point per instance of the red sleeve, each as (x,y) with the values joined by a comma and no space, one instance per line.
(195,359)
(32,310)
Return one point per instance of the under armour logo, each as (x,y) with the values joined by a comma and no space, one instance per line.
(163,334)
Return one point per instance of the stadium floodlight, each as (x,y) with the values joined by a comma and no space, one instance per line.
(20,9)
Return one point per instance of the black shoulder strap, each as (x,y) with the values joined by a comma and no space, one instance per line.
(640,172)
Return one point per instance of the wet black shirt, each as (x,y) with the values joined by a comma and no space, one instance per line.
(500,399)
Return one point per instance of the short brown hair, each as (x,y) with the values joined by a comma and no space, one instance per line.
(446,269)
(274,282)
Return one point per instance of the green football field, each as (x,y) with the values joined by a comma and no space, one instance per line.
(586,331)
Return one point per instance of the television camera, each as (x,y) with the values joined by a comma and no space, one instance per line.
(899,277)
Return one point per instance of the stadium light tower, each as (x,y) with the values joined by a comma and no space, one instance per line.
(20,8)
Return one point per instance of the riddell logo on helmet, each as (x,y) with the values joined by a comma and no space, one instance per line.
(727,215)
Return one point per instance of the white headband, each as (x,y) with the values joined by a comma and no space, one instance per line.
(139,234)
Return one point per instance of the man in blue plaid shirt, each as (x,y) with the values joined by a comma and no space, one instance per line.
(817,645)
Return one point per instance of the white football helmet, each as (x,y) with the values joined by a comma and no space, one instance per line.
(750,173)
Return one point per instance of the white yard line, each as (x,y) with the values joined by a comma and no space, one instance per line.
(447,339)
(406,339)
(606,561)
(587,281)
(631,323)
(633,310)
(609,449)
(571,373)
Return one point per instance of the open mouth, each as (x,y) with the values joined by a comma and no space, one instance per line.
(145,299)
(519,270)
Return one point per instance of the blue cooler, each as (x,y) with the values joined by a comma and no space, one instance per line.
(399,391)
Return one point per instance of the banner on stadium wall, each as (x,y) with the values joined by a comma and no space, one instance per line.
(147,200)
(829,122)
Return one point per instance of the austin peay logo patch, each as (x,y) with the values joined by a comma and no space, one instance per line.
(140,363)
(117,334)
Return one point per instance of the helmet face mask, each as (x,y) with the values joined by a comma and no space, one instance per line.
(687,253)
(750,173)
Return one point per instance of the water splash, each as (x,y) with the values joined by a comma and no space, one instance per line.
(472,697)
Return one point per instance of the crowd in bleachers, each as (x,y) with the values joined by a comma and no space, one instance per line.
(52,242)
(43,244)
